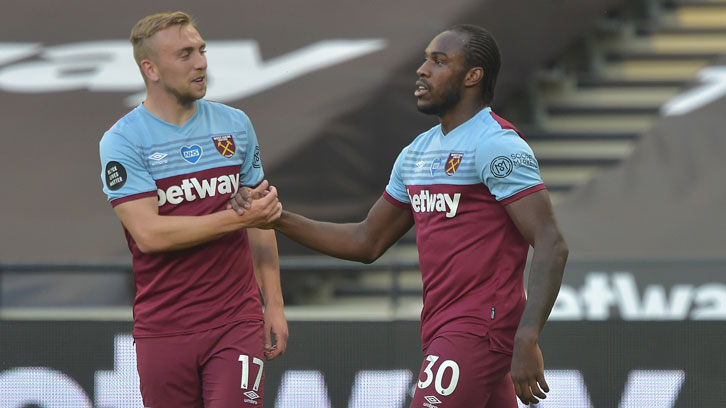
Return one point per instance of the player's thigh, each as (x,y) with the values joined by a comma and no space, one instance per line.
(168,372)
(459,370)
(233,372)
(503,394)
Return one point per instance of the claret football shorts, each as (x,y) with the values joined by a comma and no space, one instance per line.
(216,368)
(460,371)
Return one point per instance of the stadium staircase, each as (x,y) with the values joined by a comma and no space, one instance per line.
(581,113)
(590,107)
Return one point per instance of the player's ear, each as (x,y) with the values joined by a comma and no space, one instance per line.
(474,76)
(150,70)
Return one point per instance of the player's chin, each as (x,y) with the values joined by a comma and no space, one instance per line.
(426,107)
(197,91)
(200,93)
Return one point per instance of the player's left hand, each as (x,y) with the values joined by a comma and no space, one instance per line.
(528,372)
(275,326)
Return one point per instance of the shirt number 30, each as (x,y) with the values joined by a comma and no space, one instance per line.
(438,378)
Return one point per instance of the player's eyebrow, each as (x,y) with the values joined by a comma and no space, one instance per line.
(191,49)
(436,53)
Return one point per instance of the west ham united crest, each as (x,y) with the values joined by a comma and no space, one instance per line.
(453,162)
(225,145)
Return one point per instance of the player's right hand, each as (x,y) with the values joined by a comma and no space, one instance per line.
(262,212)
(272,207)
(242,200)
(527,372)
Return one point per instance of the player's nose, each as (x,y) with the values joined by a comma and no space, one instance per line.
(423,70)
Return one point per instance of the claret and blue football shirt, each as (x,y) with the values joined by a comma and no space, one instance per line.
(471,255)
(192,170)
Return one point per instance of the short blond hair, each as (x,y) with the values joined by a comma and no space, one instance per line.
(152,24)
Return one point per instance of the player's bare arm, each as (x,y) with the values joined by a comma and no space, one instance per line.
(535,219)
(156,233)
(364,242)
(263,246)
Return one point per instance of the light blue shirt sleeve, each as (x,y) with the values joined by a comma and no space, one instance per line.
(251,172)
(395,187)
(507,165)
(123,169)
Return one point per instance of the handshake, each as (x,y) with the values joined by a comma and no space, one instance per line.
(260,206)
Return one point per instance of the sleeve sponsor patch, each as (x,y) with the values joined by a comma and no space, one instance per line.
(115,175)
(256,160)
(502,166)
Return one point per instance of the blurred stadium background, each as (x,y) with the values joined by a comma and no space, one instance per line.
(623,102)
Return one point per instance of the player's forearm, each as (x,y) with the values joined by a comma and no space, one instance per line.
(263,246)
(169,233)
(345,241)
(158,233)
(545,278)
(265,259)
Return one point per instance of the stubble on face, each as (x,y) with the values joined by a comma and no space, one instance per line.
(446,97)
(184,96)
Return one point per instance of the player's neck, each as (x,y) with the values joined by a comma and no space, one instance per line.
(459,114)
(168,108)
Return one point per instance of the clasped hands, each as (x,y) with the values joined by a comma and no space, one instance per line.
(260,204)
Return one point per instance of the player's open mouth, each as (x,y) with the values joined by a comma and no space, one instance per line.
(199,80)
(421,88)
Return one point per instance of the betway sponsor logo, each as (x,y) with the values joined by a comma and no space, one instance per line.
(191,189)
(425,201)
(606,296)
(236,67)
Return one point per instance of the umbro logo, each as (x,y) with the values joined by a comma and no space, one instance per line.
(431,402)
(158,159)
(157,156)
(251,397)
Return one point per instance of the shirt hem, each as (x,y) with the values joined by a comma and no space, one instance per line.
(485,334)
(185,332)
(476,329)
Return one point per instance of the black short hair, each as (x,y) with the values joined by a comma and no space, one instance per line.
(481,51)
